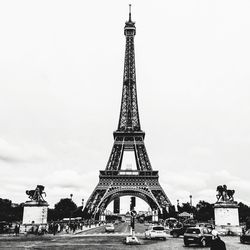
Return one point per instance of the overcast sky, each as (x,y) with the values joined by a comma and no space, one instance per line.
(61,71)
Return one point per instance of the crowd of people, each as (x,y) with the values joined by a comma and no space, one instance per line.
(56,227)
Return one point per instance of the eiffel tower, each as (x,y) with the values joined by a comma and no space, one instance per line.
(115,182)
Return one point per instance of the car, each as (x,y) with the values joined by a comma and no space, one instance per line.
(155,232)
(180,229)
(109,227)
(245,236)
(208,225)
(4,227)
(198,235)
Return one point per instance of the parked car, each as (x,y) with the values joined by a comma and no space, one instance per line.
(180,229)
(109,227)
(4,227)
(245,237)
(198,235)
(208,225)
(155,232)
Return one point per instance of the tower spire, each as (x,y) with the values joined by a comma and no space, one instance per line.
(129,114)
(130,13)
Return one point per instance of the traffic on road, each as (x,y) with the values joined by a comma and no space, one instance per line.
(100,238)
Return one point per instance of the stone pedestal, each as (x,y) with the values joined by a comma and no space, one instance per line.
(34,214)
(226,214)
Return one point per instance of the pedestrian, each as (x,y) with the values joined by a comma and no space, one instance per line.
(58,228)
(67,228)
(74,227)
(55,226)
(40,230)
(217,243)
(16,230)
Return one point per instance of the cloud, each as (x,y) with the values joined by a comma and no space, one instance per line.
(190,180)
(225,175)
(21,153)
(208,195)
(56,128)
(181,184)
(65,179)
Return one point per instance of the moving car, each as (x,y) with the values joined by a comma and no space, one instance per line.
(245,237)
(198,235)
(109,227)
(155,232)
(180,229)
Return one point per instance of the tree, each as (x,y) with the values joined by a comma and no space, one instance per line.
(244,212)
(186,207)
(205,211)
(63,209)
(8,212)
(172,212)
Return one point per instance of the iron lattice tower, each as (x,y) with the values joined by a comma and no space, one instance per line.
(113,181)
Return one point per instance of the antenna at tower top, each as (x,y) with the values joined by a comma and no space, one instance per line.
(130,13)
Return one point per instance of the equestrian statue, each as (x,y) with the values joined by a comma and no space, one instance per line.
(36,194)
(224,194)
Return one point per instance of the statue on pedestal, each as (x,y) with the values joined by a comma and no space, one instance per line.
(36,194)
(35,210)
(224,194)
(226,211)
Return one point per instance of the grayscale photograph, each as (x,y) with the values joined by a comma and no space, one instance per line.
(125,124)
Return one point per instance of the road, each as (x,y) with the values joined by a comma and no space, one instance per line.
(121,229)
(97,239)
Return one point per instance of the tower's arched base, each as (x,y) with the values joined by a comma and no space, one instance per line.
(113,184)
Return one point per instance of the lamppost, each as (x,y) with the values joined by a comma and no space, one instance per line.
(70,214)
(178,204)
(190,197)
(82,208)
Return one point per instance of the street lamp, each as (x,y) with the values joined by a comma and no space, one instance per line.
(190,197)
(82,204)
(70,214)
(178,204)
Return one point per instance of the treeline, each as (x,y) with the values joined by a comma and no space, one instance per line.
(66,208)
(10,212)
(204,211)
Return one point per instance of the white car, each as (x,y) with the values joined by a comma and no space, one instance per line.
(154,232)
(109,228)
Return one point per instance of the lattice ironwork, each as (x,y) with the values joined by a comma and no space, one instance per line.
(113,181)
(142,184)
(129,115)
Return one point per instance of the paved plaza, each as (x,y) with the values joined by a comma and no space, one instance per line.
(96,238)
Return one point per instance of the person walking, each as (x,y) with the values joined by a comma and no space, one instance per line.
(55,226)
(16,230)
(67,228)
(217,243)
(58,228)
